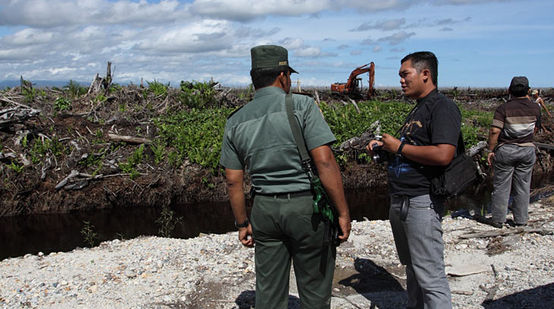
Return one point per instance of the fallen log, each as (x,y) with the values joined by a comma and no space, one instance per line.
(129,139)
(476,148)
(505,232)
(17,114)
(76,180)
(545,146)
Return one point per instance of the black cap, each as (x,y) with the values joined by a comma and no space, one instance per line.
(270,57)
(519,84)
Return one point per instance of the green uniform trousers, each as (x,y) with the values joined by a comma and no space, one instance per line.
(284,227)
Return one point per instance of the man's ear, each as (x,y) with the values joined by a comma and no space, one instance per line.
(283,79)
(426,75)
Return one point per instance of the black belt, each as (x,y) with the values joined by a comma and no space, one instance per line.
(287,194)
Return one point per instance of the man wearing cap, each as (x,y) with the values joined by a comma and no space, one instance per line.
(512,153)
(282,225)
(536,96)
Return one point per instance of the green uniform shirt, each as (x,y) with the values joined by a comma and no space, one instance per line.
(259,137)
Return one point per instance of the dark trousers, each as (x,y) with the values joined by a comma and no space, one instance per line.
(285,229)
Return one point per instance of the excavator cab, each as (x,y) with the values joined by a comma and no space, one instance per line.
(353,87)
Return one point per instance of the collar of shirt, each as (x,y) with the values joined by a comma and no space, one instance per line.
(270,90)
(430,95)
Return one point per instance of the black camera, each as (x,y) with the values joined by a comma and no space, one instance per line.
(379,154)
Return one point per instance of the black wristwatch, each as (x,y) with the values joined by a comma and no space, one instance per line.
(243,224)
(399,151)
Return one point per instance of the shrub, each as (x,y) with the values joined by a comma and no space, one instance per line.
(62,104)
(197,94)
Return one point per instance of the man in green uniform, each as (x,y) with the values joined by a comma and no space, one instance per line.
(282,224)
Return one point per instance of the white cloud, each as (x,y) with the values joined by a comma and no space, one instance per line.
(59,71)
(243,10)
(182,40)
(464,2)
(292,43)
(397,38)
(375,5)
(204,36)
(308,52)
(386,25)
(53,13)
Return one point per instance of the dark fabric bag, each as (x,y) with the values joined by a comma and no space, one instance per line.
(457,176)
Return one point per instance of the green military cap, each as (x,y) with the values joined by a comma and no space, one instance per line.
(270,57)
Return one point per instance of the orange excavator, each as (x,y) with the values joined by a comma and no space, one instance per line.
(353,87)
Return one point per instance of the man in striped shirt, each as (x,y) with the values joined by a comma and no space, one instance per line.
(512,153)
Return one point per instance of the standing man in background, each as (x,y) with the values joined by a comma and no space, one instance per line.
(512,153)
(282,224)
(427,143)
(540,101)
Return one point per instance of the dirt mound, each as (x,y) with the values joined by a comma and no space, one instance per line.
(72,148)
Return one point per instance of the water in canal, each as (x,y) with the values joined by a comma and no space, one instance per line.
(62,232)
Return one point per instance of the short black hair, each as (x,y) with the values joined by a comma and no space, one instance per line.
(424,60)
(265,77)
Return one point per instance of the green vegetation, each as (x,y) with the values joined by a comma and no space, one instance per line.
(132,162)
(41,147)
(157,88)
(346,122)
(89,235)
(94,161)
(475,125)
(16,167)
(196,94)
(167,221)
(62,104)
(158,150)
(74,89)
(195,134)
(29,94)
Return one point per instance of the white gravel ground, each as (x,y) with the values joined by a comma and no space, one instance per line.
(215,271)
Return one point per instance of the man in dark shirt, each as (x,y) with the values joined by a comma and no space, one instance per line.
(427,143)
(512,152)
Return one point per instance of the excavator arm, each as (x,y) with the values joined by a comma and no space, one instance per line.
(350,87)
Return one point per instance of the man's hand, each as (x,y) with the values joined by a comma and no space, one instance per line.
(389,143)
(245,236)
(490,158)
(373,143)
(344,224)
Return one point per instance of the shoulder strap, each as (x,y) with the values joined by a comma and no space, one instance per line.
(296,131)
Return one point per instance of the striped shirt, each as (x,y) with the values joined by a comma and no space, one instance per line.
(517,120)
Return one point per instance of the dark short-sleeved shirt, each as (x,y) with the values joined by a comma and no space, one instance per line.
(435,120)
(517,120)
(258,137)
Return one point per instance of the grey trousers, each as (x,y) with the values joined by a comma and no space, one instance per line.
(513,167)
(420,247)
(285,229)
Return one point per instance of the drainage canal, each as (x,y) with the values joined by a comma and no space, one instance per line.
(21,235)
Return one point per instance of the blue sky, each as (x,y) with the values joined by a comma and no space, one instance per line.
(479,43)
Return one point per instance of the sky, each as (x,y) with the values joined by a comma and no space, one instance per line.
(479,43)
